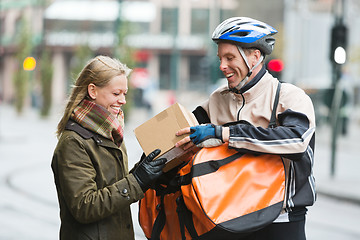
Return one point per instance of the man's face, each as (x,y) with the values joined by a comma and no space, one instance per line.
(232,64)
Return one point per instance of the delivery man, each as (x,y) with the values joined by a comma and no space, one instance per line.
(239,114)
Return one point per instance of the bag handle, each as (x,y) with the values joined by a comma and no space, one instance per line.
(213,165)
(204,168)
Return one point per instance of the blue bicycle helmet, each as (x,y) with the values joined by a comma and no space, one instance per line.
(247,33)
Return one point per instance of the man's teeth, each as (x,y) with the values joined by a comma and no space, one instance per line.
(230,75)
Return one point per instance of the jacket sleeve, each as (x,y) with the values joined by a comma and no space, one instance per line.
(76,179)
(292,136)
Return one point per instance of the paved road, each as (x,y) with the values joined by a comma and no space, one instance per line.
(28,204)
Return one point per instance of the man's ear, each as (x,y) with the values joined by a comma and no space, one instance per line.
(92,91)
(256,56)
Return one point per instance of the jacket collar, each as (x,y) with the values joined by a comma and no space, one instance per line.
(253,89)
(249,85)
(87,134)
(254,81)
(262,85)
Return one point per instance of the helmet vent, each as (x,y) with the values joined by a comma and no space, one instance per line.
(242,23)
(223,32)
(260,26)
(270,41)
(240,34)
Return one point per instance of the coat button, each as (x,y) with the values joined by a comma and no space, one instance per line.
(125,193)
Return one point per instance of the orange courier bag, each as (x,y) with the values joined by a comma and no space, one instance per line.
(229,194)
(219,194)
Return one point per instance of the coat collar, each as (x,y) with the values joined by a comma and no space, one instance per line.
(87,134)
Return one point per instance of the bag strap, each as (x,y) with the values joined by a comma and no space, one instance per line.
(185,219)
(160,221)
(272,123)
(213,165)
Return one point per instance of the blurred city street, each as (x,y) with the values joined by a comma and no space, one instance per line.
(169,47)
(28,202)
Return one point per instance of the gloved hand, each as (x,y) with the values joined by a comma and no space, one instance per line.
(208,135)
(148,170)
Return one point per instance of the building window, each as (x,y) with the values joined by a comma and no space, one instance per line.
(226,13)
(2,26)
(165,71)
(198,72)
(19,25)
(200,21)
(169,20)
(140,27)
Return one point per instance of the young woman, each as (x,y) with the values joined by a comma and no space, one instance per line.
(90,165)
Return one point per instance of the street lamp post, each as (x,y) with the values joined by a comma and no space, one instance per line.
(337,58)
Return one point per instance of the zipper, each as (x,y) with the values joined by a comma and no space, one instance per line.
(243,104)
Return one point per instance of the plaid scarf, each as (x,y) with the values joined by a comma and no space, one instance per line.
(98,119)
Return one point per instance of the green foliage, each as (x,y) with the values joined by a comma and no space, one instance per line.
(46,71)
(125,54)
(122,51)
(82,55)
(20,81)
(21,77)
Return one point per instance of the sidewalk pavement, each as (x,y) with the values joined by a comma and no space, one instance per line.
(345,184)
(27,143)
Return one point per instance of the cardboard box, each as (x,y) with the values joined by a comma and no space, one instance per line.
(159,132)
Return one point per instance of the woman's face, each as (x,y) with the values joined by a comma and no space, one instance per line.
(112,95)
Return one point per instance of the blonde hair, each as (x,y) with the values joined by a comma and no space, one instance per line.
(99,71)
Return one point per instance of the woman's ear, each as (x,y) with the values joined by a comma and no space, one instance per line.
(92,91)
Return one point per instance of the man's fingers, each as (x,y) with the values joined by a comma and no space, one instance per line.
(188,145)
(183,131)
(183,141)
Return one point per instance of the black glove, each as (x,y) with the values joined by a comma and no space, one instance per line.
(149,170)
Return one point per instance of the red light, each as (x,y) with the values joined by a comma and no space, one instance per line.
(142,56)
(275,65)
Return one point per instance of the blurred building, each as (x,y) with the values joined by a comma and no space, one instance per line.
(171,38)
(12,14)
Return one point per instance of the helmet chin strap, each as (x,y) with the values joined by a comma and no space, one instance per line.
(244,81)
